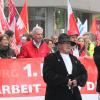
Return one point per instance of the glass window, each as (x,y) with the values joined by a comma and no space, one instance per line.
(37,16)
(60,20)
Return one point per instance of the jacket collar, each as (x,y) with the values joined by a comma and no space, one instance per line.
(60,59)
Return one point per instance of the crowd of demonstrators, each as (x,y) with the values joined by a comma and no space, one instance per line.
(85,44)
(35,47)
(5,50)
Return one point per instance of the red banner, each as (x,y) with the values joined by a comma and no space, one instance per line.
(23,77)
(90,66)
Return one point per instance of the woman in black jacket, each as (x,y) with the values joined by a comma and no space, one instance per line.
(5,50)
(97,62)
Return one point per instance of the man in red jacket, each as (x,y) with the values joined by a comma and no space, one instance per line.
(36,47)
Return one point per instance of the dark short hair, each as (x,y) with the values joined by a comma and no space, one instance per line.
(9,33)
(2,36)
(47,40)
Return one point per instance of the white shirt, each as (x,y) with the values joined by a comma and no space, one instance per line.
(37,45)
(75,51)
(67,62)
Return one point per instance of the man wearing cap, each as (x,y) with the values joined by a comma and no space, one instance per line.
(63,72)
(78,49)
(36,47)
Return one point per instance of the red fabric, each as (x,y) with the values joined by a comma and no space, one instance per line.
(4,24)
(73,29)
(12,11)
(2,4)
(24,16)
(29,50)
(22,23)
(94,27)
(72,25)
(83,51)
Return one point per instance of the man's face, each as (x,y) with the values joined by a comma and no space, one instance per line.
(38,37)
(65,47)
(73,38)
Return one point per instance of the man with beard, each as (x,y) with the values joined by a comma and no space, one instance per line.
(63,72)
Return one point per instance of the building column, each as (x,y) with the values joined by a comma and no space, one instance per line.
(49,22)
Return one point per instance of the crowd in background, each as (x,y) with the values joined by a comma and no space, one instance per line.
(35,45)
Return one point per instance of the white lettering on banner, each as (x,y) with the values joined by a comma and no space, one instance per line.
(24,89)
(30,74)
(15,89)
(20,89)
(37,87)
(28,69)
(90,86)
(6,89)
(30,88)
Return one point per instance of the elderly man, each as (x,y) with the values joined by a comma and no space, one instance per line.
(63,72)
(36,47)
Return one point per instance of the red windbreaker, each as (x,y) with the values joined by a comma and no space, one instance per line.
(29,50)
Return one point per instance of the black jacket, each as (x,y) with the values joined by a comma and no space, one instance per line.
(56,77)
(7,52)
(96,56)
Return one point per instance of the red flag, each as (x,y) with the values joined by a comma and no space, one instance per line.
(12,11)
(72,25)
(24,16)
(2,4)
(94,29)
(12,23)
(22,23)
(4,23)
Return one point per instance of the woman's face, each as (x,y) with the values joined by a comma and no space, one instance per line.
(81,41)
(50,44)
(5,41)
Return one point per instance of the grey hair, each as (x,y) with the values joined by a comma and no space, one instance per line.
(37,29)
